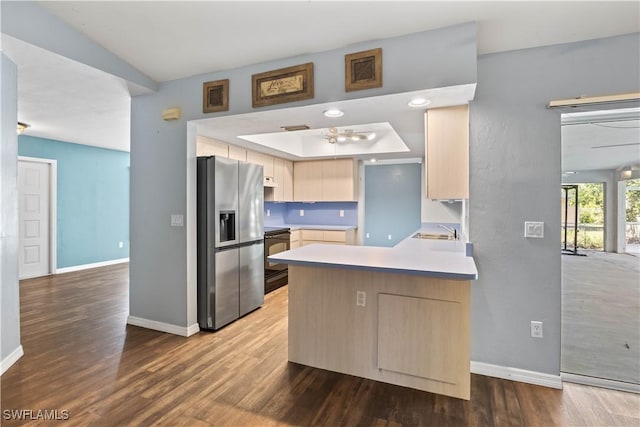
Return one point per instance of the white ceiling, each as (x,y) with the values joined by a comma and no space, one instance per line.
(168,40)
(69,101)
(173,39)
(601,140)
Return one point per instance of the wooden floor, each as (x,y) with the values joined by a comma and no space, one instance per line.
(80,357)
(601,316)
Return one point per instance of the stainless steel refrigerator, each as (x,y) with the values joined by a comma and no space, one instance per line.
(230,240)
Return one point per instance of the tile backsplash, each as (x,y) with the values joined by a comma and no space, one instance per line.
(318,213)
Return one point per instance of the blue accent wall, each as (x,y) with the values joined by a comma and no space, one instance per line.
(318,213)
(93,199)
(391,203)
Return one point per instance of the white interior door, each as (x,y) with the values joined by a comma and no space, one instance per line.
(34,186)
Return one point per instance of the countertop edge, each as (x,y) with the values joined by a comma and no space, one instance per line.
(424,273)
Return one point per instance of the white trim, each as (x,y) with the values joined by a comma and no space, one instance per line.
(12,358)
(163,327)
(193,329)
(53,208)
(600,382)
(92,265)
(516,374)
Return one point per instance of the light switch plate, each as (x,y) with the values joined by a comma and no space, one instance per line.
(301,212)
(534,229)
(177,220)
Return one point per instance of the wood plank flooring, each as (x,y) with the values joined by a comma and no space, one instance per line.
(81,357)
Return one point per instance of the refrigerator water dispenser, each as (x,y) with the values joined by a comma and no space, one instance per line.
(227,226)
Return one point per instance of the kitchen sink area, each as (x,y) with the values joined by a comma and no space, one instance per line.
(433,236)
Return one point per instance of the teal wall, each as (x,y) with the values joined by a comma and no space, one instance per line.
(93,199)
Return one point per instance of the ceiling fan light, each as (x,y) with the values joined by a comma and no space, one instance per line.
(419,102)
(333,112)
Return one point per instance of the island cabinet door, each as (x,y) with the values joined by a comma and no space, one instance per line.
(410,328)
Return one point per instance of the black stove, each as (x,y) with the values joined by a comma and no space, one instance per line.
(270,231)
(276,239)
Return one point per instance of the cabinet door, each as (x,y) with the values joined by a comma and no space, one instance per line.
(287,181)
(338,180)
(447,152)
(211,147)
(261,159)
(278,177)
(237,153)
(307,181)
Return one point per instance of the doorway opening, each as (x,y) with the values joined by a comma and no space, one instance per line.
(600,307)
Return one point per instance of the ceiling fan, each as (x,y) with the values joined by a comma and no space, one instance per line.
(334,135)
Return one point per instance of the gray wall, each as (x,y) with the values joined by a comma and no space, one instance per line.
(515,176)
(9,290)
(161,157)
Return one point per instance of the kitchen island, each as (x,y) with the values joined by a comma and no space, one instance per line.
(398,315)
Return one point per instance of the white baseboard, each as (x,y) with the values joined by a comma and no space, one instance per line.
(600,382)
(8,361)
(88,266)
(193,329)
(515,374)
(164,327)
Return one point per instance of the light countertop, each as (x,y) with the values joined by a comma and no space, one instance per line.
(434,258)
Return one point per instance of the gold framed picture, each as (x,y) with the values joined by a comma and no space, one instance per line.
(283,85)
(363,70)
(215,96)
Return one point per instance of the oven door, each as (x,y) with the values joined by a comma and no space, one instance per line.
(275,274)
(273,245)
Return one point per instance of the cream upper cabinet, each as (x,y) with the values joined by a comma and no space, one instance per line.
(283,177)
(237,153)
(307,181)
(287,181)
(447,152)
(325,180)
(211,147)
(338,180)
(265,160)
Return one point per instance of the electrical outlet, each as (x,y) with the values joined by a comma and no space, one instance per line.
(177,220)
(301,212)
(536,329)
(121,245)
(361,298)
(341,213)
(534,229)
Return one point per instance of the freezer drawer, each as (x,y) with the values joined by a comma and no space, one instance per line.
(251,277)
(226,295)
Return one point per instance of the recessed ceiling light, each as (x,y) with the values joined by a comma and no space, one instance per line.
(419,102)
(333,112)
